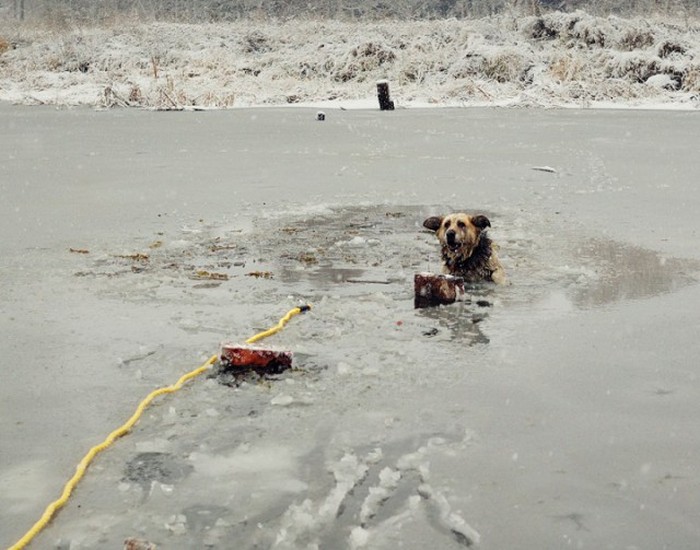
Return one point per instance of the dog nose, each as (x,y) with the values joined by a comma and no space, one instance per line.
(450,236)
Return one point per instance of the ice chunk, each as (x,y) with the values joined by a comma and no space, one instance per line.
(388,480)
(359,537)
(343,369)
(447,518)
(412,461)
(177,524)
(374,456)
(348,472)
(357,241)
(304,522)
(282,400)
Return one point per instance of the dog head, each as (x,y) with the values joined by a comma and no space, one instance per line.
(459,233)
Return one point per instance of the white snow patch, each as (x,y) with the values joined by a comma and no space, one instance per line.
(388,481)
(306,520)
(661,82)
(359,537)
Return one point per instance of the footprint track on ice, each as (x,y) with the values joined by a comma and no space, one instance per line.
(374,500)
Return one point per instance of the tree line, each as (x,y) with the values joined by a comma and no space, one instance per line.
(196,11)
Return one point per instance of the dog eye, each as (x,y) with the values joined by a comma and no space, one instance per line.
(461,224)
(447,224)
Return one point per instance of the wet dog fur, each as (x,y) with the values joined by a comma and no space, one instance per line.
(466,249)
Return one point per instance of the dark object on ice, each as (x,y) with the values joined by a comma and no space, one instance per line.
(320,115)
(385,103)
(434,290)
(235,358)
(138,544)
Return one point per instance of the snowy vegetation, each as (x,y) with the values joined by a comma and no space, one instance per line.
(198,11)
(521,54)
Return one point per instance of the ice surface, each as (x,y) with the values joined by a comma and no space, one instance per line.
(401,425)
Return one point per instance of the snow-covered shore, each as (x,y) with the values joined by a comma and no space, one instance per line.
(557,60)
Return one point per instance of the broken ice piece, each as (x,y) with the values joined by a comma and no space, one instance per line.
(282,400)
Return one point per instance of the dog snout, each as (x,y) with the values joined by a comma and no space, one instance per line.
(451,237)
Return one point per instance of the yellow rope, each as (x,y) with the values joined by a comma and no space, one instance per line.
(279,326)
(52,508)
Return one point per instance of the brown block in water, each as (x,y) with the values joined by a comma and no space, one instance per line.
(263,361)
(434,290)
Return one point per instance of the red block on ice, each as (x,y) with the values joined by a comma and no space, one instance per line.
(267,361)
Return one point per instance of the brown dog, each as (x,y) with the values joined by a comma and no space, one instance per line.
(466,249)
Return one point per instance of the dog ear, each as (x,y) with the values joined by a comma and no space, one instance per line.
(481,221)
(433,223)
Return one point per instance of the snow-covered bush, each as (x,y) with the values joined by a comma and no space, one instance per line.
(636,38)
(637,66)
(576,29)
(363,61)
(553,59)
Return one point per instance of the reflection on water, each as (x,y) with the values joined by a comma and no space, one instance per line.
(323,275)
(627,272)
(462,320)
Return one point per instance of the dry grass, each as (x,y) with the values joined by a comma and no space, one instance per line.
(550,58)
(567,68)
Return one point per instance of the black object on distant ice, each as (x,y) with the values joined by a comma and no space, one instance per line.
(385,103)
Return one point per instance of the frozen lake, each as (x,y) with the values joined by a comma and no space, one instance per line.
(558,411)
